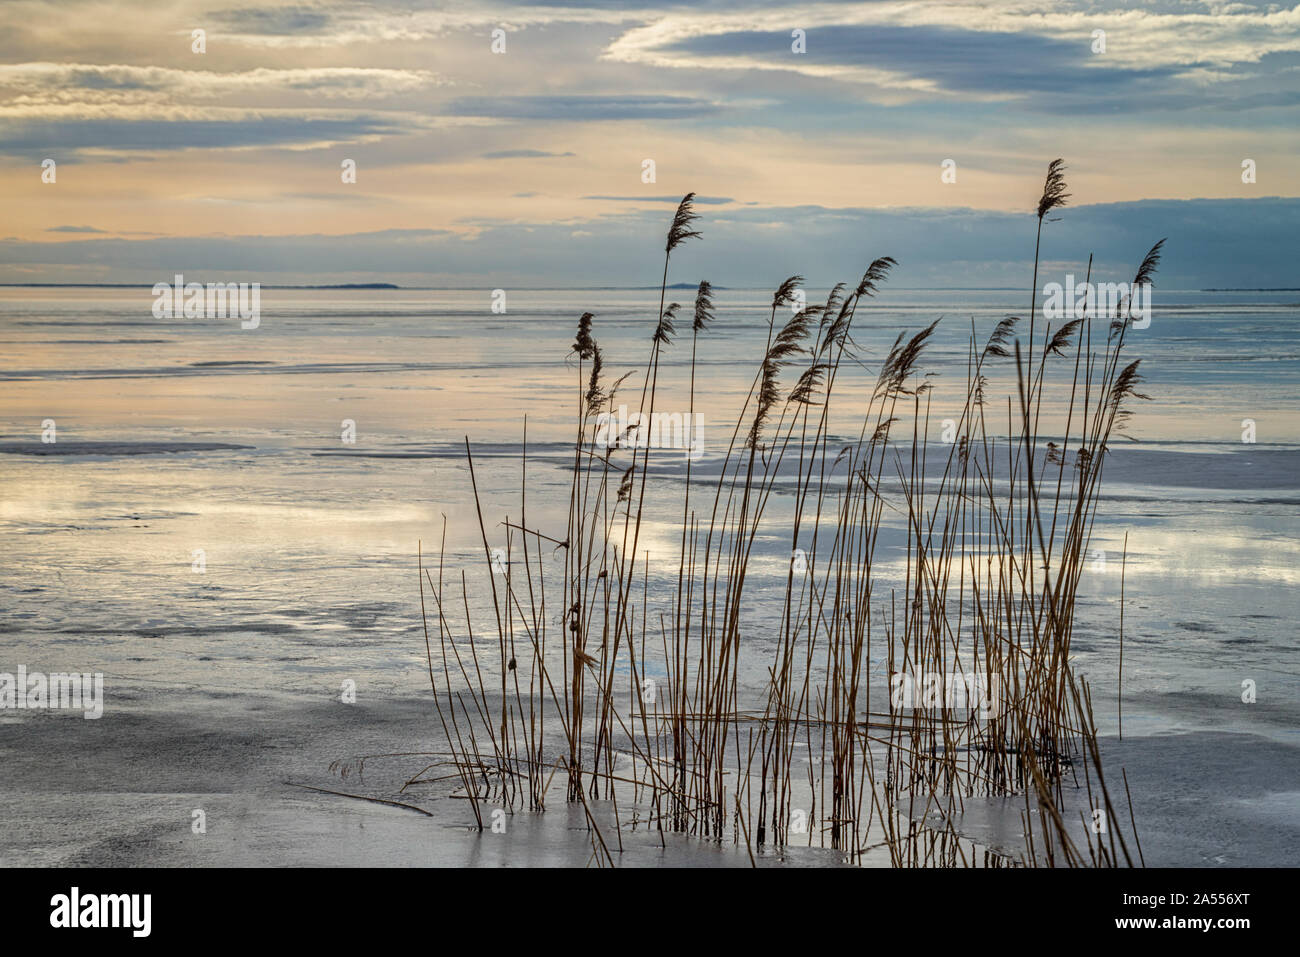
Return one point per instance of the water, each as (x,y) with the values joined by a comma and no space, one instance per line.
(192,444)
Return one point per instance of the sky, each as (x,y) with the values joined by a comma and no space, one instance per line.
(815,136)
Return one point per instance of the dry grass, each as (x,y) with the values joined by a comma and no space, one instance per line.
(996,533)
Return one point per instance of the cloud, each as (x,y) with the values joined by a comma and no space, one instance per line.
(969,48)
(886,90)
(701,200)
(579,108)
(523,154)
(1212,243)
(61,138)
(386,23)
(274,20)
(40,84)
(74,229)
(952,60)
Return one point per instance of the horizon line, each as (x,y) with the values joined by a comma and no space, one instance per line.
(389,287)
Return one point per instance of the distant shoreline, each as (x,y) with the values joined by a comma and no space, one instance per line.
(145,285)
(388,286)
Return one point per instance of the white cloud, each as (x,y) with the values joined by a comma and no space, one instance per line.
(118,83)
(1220,35)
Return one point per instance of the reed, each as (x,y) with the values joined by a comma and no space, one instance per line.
(995,529)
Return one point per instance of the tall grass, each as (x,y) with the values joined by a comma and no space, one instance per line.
(995,529)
